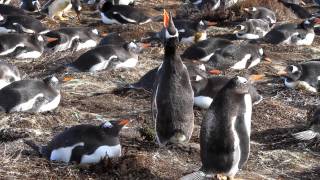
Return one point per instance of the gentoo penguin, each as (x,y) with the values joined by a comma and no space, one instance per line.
(305,75)
(22,24)
(30,95)
(76,38)
(314,130)
(237,56)
(225,132)
(107,57)
(84,143)
(172,103)
(298,10)
(262,13)
(8,74)
(11,10)
(5,1)
(112,39)
(123,14)
(206,89)
(21,46)
(203,50)
(293,34)
(59,7)
(252,29)
(30,5)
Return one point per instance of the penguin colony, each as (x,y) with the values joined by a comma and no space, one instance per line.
(184,81)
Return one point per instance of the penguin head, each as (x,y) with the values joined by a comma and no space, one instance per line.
(36,5)
(106,6)
(240,29)
(76,5)
(292,73)
(52,81)
(239,85)
(113,127)
(170,30)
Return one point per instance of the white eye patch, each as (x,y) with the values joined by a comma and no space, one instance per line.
(242,80)
(107,125)
(95,31)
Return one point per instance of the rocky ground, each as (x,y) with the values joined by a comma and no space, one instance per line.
(89,98)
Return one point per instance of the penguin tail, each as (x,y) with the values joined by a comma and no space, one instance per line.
(179,138)
(40,150)
(198,175)
(306,135)
(158,18)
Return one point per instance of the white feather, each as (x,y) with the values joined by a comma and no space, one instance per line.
(102,152)
(64,153)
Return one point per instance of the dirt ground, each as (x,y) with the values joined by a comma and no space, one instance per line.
(275,154)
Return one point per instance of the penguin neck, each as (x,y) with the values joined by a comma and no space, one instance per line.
(171,58)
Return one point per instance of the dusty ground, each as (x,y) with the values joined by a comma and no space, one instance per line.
(89,99)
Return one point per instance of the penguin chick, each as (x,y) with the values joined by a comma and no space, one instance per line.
(172,102)
(8,74)
(252,29)
(57,8)
(31,95)
(314,130)
(84,144)
(305,75)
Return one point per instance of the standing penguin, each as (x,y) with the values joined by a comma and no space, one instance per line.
(60,7)
(30,95)
(8,74)
(225,132)
(84,143)
(172,104)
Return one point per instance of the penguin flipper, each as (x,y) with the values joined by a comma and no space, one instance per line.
(198,175)
(306,135)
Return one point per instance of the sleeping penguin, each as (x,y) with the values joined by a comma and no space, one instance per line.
(58,8)
(172,102)
(84,143)
(262,13)
(252,29)
(304,76)
(8,74)
(30,5)
(77,38)
(21,46)
(21,24)
(314,130)
(225,132)
(30,96)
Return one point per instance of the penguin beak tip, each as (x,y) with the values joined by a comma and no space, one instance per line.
(123,122)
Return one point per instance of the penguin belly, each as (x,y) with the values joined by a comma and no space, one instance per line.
(64,153)
(102,152)
(28,105)
(49,106)
(107,20)
(86,45)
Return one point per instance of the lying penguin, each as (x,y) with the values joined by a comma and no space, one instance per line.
(21,46)
(58,8)
(84,143)
(30,5)
(225,132)
(314,130)
(21,24)
(252,29)
(77,38)
(305,76)
(30,96)
(293,34)
(262,13)
(8,74)
(172,102)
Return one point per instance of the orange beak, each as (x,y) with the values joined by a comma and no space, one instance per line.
(146,45)
(256,77)
(211,23)
(66,79)
(268,60)
(215,72)
(282,73)
(104,34)
(165,18)
(50,39)
(123,122)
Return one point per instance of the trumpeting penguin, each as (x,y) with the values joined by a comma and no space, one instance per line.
(76,38)
(84,144)
(31,95)
(30,5)
(262,13)
(293,34)
(314,128)
(172,103)
(8,74)
(123,14)
(21,24)
(60,7)
(304,76)
(203,50)
(107,57)
(11,10)
(225,132)
(21,46)
(237,56)
(252,29)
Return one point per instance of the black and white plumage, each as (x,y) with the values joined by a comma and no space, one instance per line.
(314,128)
(84,143)
(123,14)
(262,13)
(11,10)
(252,29)
(234,56)
(30,5)
(203,50)
(295,7)
(225,132)
(172,103)
(21,24)
(293,34)
(8,74)
(57,8)
(21,46)
(212,5)
(76,38)
(112,39)
(30,96)
(305,76)
(107,57)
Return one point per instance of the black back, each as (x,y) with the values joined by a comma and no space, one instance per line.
(11,10)
(25,21)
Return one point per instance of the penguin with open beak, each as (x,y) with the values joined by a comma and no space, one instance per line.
(58,8)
